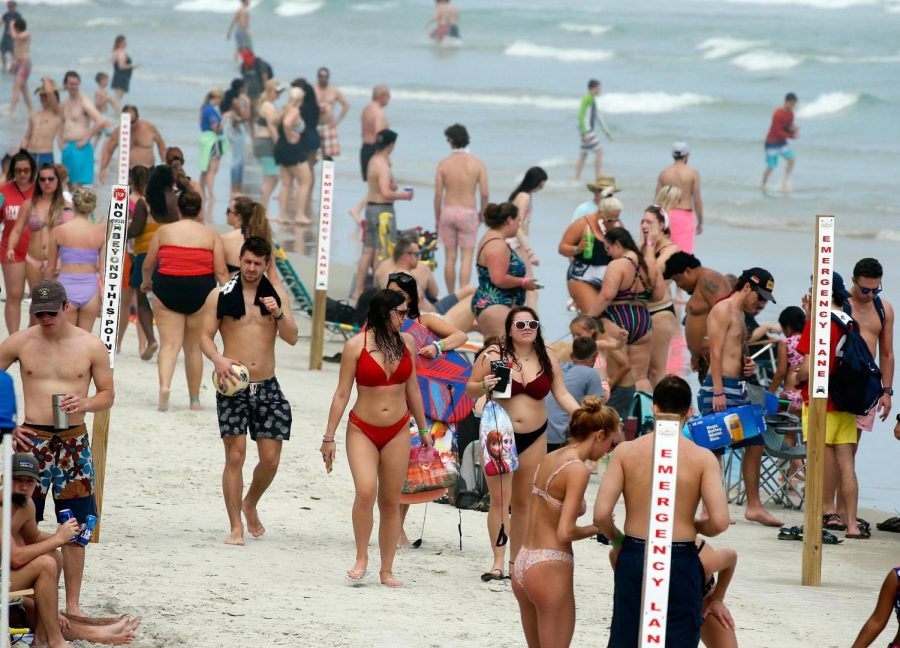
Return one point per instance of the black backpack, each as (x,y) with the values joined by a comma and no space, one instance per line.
(855,384)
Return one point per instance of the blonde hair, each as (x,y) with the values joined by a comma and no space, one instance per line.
(668,196)
(593,415)
(84,201)
(295,98)
(608,202)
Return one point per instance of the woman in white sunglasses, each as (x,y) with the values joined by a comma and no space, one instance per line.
(534,372)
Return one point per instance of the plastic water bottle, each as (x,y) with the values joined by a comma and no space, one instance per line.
(589,238)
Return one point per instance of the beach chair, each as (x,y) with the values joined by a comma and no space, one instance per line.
(13,597)
(776,468)
(301,296)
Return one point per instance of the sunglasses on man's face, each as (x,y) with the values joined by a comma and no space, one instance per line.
(870,291)
(46,314)
(521,325)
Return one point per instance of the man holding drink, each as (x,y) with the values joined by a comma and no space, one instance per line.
(59,440)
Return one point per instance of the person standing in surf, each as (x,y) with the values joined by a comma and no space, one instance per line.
(682,222)
(778,142)
(589,118)
(240,26)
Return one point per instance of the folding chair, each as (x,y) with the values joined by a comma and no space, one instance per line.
(777,468)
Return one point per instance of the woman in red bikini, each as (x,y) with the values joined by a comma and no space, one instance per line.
(534,373)
(380,359)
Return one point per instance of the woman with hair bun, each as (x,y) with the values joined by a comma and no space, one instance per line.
(543,574)
(502,279)
(78,245)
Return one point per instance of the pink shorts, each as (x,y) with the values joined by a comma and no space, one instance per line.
(458,227)
(866,421)
(682,227)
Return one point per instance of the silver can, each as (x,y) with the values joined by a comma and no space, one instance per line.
(60,416)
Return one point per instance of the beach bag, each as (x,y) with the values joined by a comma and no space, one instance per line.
(339,312)
(498,444)
(432,468)
(471,491)
(854,385)
(640,420)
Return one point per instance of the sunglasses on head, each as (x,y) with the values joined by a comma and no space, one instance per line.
(400,278)
(527,324)
(870,291)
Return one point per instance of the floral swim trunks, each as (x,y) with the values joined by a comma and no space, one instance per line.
(458,226)
(261,408)
(67,469)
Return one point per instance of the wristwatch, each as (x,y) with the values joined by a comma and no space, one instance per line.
(888,390)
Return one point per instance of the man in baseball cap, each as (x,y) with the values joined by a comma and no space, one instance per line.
(725,386)
(25,465)
(47,296)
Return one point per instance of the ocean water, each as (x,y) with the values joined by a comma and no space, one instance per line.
(708,71)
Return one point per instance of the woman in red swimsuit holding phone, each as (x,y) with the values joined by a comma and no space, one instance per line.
(380,360)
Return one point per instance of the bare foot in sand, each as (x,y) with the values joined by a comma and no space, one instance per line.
(119,633)
(404,540)
(254,526)
(236,537)
(388,580)
(163,400)
(195,404)
(762,516)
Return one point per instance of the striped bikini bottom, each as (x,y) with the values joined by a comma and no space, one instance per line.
(632,318)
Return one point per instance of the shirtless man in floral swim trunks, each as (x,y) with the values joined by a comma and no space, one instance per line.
(64,456)
(456,218)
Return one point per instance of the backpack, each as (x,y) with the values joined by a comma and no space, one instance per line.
(640,419)
(855,384)
(471,491)
(339,312)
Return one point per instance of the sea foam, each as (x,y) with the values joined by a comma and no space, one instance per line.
(374,6)
(815,4)
(525,49)
(827,104)
(766,60)
(578,28)
(618,103)
(720,47)
(298,8)
(210,6)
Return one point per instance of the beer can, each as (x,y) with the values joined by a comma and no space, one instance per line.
(64,515)
(60,416)
(84,537)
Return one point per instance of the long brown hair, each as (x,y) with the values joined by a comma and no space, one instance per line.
(57,198)
(508,349)
(253,218)
(621,236)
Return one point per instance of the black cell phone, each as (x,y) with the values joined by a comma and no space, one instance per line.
(501,370)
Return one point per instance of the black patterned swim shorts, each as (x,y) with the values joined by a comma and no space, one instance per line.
(261,408)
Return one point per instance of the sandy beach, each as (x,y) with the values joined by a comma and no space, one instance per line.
(162,553)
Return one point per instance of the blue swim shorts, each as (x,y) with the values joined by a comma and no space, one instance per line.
(773,151)
(79,162)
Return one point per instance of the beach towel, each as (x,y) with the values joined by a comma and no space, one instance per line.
(211,145)
(231,299)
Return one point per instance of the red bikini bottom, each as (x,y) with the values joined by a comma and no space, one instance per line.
(380,436)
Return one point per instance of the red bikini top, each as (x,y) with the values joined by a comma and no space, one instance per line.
(537,388)
(371,374)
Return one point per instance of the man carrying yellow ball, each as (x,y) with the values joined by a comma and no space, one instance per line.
(248,312)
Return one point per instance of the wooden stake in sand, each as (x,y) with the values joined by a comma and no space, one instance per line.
(112,288)
(323,252)
(819,357)
(658,549)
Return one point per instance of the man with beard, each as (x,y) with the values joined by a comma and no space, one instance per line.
(63,455)
(706,288)
(248,312)
(36,561)
(729,361)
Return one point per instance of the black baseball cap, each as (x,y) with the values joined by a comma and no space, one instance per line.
(385,138)
(47,296)
(25,465)
(678,263)
(837,286)
(762,282)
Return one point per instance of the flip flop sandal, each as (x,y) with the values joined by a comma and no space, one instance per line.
(864,534)
(793,533)
(833,522)
(830,538)
(891,525)
(494,574)
(864,524)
